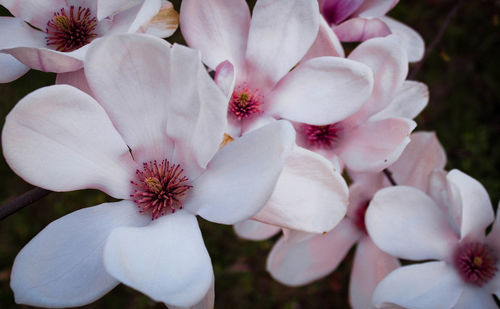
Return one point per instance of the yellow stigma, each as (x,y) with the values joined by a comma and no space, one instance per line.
(478,261)
(62,22)
(244,99)
(153,184)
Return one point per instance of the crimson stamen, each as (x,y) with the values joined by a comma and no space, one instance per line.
(476,263)
(245,102)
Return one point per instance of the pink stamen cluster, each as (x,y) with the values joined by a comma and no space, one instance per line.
(160,188)
(322,136)
(67,32)
(359,217)
(475,262)
(245,102)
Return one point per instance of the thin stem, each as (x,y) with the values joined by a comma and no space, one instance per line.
(22,201)
(388,174)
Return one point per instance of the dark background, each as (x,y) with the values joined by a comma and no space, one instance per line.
(462,71)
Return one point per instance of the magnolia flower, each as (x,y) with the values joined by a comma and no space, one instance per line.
(375,136)
(360,20)
(65,28)
(253,57)
(447,227)
(150,138)
(298,258)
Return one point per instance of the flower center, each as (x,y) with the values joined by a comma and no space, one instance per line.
(475,262)
(159,188)
(322,136)
(67,32)
(359,217)
(245,102)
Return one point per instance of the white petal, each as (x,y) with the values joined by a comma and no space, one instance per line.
(310,195)
(111,7)
(321,91)
(12,69)
(476,209)
(281,32)
(433,285)
(74,147)
(475,297)
(206,303)
(255,230)
(371,265)
(296,263)
(406,223)
(410,39)
(240,179)
(326,43)
(219,29)
(166,260)
(76,79)
(62,266)
(37,13)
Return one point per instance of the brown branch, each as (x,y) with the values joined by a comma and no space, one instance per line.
(23,200)
(388,174)
(436,40)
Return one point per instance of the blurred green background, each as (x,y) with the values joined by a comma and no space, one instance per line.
(463,74)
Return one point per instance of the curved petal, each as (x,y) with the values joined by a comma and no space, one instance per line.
(409,100)
(420,158)
(166,260)
(12,69)
(475,297)
(321,91)
(281,32)
(255,230)
(132,19)
(218,28)
(37,13)
(411,40)
(225,78)
(326,43)
(375,8)
(75,148)
(207,302)
(296,263)
(361,29)
(406,223)
(241,177)
(375,145)
(389,64)
(47,60)
(335,11)
(432,285)
(76,79)
(476,209)
(164,23)
(310,194)
(107,8)
(371,265)
(62,266)
(160,99)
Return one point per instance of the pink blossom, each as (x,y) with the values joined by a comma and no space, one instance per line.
(151,138)
(66,29)
(447,227)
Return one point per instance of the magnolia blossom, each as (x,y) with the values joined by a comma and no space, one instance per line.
(67,27)
(360,20)
(447,227)
(151,138)
(375,136)
(299,258)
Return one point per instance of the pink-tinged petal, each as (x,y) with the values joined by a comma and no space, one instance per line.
(207,302)
(281,32)
(107,8)
(255,230)
(361,192)
(375,8)
(475,297)
(132,19)
(37,13)
(335,11)
(47,60)
(373,146)
(164,23)
(299,262)
(422,155)
(389,64)
(62,266)
(218,28)
(241,177)
(309,196)
(321,91)
(166,260)
(440,192)
(371,265)
(432,285)
(409,100)
(76,79)
(361,29)
(12,69)
(406,223)
(225,78)
(476,209)
(160,98)
(411,40)
(75,147)
(326,43)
